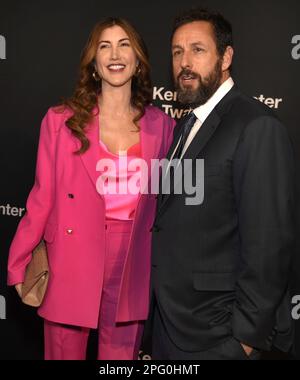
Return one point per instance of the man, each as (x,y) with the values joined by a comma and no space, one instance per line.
(220,269)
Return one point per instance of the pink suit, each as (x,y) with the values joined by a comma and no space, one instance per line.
(66,210)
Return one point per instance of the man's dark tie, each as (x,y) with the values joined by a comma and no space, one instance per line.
(186,129)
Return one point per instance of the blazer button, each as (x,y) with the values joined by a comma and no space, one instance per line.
(71,196)
(70,231)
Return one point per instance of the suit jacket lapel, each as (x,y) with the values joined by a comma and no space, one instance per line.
(178,130)
(92,155)
(149,144)
(197,145)
(148,138)
(201,139)
(210,125)
(203,136)
(177,134)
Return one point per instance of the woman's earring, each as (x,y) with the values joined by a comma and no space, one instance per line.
(138,71)
(96,76)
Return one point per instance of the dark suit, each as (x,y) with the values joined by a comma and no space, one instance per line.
(221,269)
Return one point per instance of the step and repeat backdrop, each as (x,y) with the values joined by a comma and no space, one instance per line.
(40,46)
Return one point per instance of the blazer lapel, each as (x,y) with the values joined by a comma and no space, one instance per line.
(197,145)
(148,138)
(202,137)
(210,125)
(91,157)
(149,144)
(176,138)
(178,129)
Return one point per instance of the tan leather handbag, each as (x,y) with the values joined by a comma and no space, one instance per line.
(36,277)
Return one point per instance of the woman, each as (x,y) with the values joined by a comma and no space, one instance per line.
(98,241)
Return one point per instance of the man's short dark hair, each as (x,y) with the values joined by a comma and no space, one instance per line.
(222,28)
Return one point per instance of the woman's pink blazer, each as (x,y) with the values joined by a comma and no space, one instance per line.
(66,210)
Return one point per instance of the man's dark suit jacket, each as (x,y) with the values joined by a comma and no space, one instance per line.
(222,268)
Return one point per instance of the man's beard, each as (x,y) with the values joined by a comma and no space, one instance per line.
(206,87)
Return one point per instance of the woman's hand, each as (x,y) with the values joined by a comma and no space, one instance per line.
(19,289)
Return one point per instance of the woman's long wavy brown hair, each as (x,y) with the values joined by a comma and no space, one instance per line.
(87,90)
